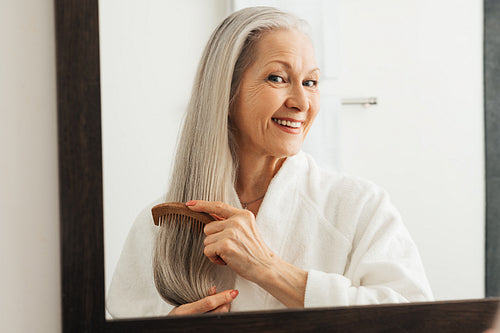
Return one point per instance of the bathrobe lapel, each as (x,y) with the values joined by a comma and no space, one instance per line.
(273,219)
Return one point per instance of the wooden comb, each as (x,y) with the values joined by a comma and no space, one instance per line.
(179,211)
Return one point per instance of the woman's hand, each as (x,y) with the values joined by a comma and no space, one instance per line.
(235,240)
(220,302)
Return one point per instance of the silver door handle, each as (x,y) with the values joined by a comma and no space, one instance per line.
(360,101)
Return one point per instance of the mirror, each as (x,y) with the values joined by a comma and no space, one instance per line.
(81,192)
(429,118)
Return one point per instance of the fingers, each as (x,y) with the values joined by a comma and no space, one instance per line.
(222,308)
(212,291)
(214,227)
(219,209)
(212,253)
(213,303)
(218,218)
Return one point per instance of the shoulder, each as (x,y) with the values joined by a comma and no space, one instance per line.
(322,184)
(349,202)
(143,230)
(132,292)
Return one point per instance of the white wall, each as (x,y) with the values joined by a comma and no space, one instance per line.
(424,142)
(29,211)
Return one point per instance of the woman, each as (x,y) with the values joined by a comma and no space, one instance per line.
(290,233)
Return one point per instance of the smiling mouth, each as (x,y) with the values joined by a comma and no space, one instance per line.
(287,123)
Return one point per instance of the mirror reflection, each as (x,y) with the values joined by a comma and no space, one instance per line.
(334,239)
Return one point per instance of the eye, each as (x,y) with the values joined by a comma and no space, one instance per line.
(310,83)
(275,79)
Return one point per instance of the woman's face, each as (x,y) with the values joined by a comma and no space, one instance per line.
(278,97)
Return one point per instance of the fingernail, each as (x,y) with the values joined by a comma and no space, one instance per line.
(191,203)
(234,293)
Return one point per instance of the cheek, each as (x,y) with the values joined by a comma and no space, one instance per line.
(313,112)
(270,97)
(259,103)
(315,105)
(244,103)
(316,101)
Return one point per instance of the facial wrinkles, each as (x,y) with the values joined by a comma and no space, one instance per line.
(249,88)
(289,66)
(252,91)
(305,98)
(296,57)
(294,64)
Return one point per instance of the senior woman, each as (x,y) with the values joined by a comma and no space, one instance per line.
(287,234)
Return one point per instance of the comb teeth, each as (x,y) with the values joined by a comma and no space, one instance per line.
(177,212)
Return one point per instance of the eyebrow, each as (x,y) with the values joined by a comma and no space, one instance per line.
(288,66)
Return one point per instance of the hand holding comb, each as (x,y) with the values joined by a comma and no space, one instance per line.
(178,211)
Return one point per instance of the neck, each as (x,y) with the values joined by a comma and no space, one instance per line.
(254,176)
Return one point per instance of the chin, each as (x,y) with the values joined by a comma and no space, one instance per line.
(290,151)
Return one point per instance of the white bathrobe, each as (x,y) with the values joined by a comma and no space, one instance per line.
(342,230)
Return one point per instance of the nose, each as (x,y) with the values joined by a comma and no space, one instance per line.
(297,98)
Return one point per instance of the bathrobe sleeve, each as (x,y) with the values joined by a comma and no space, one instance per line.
(383,264)
(132,292)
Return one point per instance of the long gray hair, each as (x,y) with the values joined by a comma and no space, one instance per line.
(206,160)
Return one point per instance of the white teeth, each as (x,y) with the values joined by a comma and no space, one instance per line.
(293,124)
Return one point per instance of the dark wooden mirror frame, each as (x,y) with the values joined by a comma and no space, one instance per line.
(82,246)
